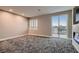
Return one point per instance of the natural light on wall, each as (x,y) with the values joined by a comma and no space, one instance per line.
(33,24)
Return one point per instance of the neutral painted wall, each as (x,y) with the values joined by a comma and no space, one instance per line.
(12,25)
(70,24)
(44,24)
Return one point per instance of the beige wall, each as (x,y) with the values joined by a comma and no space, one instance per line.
(70,24)
(12,25)
(44,24)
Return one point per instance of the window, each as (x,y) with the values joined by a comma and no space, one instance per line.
(33,23)
(59,25)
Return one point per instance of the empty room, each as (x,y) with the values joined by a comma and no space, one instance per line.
(39,29)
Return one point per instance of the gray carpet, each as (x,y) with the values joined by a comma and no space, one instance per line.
(33,44)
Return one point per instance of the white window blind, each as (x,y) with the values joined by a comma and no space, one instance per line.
(33,24)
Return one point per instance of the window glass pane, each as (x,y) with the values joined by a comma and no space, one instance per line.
(55,21)
(63,20)
(55,24)
(63,25)
(59,25)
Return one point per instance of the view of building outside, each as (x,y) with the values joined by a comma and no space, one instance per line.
(59,26)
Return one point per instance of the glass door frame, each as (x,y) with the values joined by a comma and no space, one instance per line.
(59,24)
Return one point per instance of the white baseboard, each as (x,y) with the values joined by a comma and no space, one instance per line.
(46,36)
(7,38)
(39,35)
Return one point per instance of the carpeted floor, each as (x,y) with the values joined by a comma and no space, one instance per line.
(33,44)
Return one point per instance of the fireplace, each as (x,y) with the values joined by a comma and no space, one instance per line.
(76,24)
(76,37)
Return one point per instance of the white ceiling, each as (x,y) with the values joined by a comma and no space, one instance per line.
(31,11)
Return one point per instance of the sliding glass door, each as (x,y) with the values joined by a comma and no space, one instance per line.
(55,26)
(59,26)
(63,26)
